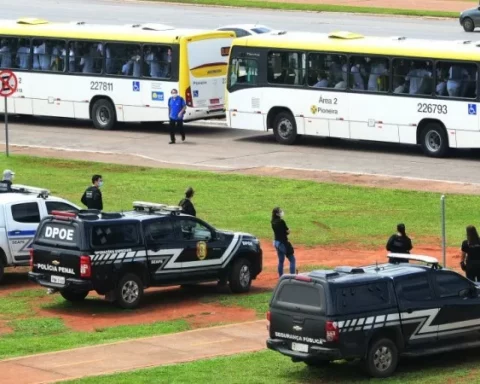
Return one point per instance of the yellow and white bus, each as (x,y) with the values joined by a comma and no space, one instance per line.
(110,73)
(346,85)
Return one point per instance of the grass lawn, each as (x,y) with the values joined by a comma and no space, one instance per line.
(316,7)
(316,213)
(268,367)
(35,334)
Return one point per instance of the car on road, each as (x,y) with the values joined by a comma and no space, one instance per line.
(242,30)
(120,254)
(376,313)
(470,19)
(20,213)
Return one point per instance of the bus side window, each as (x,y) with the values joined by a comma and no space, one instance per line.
(157,61)
(85,57)
(415,76)
(125,59)
(325,71)
(49,55)
(454,79)
(8,48)
(244,71)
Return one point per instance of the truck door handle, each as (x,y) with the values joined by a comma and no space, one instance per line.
(409,310)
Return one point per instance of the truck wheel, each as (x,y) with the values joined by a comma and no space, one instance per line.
(2,270)
(434,140)
(241,276)
(129,291)
(382,358)
(103,114)
(74,296)
(285,128)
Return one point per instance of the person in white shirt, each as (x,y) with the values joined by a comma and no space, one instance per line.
(5,55)
(456,75)
(86,61)
(152,61)
(322,81)
(416,78)
(357,71)
(108,57)
(137,63)
(41,61)
(378,69)
(23,54)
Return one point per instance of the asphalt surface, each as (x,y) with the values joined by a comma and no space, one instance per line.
(230,149)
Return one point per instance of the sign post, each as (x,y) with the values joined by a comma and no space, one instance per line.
(9,87)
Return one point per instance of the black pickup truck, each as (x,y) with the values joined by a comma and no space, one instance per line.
(121,254)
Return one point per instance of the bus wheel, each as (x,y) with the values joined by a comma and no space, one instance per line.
(103,114)
(468,24)
(285,128)
(434,140)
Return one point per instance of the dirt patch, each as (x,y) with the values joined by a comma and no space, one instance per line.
(15,279)
(195,304)
(4,328)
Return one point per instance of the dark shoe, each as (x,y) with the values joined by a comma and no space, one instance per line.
(171,142)
(183,138)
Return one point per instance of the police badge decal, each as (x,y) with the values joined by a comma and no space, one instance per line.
(201,250)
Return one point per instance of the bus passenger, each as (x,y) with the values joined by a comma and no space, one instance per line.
(152,61)
(41,60)
(471,254)
(72,54)
(22,54)
(322,81)
(5,54)
(357,72)
(416,77)
(87,59)
(456,76)
(167,63)
(378,69)
(401,85)
(137,63)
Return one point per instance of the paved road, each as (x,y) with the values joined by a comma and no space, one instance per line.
(241,149)
(209,17)
(234,149)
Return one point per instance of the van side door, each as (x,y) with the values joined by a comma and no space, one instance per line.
(417,309)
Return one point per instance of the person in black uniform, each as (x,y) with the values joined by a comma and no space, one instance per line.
(92,197)
(471,254)
(186,203)
(399,243)
(283,247)
(6,183)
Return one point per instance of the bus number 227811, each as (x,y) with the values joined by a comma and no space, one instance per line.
(101,86)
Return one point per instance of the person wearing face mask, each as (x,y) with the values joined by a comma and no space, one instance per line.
(176,111)
(92,197)
(283,247)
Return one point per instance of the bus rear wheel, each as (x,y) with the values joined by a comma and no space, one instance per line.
(285,128)
(103,114)
(434,140)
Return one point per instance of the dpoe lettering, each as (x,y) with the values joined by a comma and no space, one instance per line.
(57,233)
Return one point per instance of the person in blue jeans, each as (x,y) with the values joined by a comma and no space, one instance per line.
(176,111)
(282,245)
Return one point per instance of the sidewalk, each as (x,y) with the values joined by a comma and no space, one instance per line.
(135,354)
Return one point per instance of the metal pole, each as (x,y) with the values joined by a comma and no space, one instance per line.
(444,240)
(6,126)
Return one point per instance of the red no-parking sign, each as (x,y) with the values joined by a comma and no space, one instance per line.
(9,83)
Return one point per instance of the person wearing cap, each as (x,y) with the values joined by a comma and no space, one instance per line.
(8,176)
(283,247)
(92,197)
(186,203)
(399,243)
(176,111)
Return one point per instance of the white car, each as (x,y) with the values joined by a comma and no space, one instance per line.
(20,213)
(242,30)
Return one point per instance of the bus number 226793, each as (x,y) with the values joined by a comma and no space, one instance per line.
(432,108)
(101,86)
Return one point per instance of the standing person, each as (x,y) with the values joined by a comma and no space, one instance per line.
(186,203)
(471,254)
(92,197)
(176,110)
(7,180)
(282,245)
(399,242)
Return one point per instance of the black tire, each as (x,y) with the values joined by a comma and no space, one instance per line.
(468,24)
(74,296)
(241,276)
(285,128)
(434,140)
(129,291)
(382,358)
(2,269)
(104,115)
